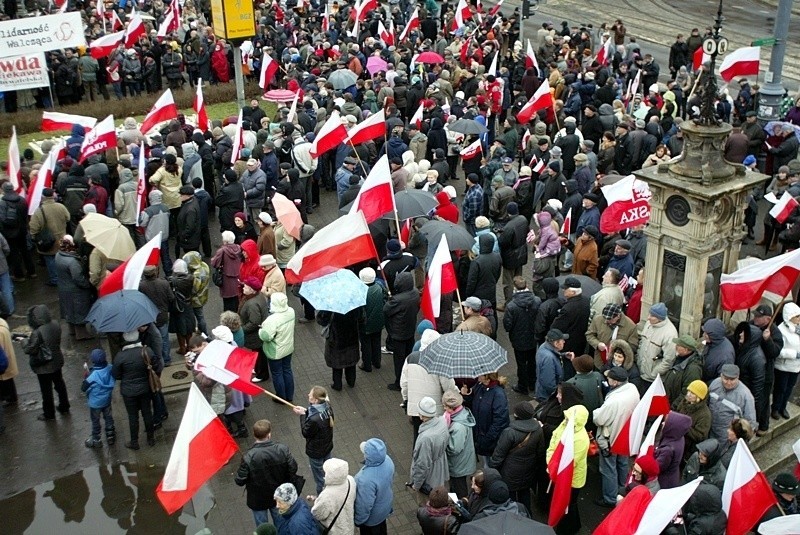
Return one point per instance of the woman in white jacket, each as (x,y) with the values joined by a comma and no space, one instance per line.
(787,365)
(334,507)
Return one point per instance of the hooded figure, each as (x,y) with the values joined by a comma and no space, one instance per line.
(669,449)
(446,209)
(43,348)
(484,271)
(751,361)
(374,495)
(576,416)
(702,513)
(706,462)
(719,350)
(337,499)
(192,163)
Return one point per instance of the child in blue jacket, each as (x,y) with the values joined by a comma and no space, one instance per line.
(98,386)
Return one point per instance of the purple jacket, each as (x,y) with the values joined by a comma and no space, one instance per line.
(549,244)
(669,450)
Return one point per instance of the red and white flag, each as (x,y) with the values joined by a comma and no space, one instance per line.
(495,9)
(635,84)
(541,99)
(784,207)
(238,140)
(129,274)
(418,115)
(641,513)
(99,139)
(366,7)
(648,446)
(332,134)
(530,58)
(202,446)
(63,7)
(172,20)
(560,469)
(405,230)
(624,283)
(566,227)
(628,205)
(344,242)
(229,365)
(539,167)
(373,127)
(376,196)
(293,108)
(269,67)
(605,52)
(441,280)
(412,24)
(53,120)
(134,30)
(746,494)
(141,182)
(14,164)
(203,123)
(493,66)
(44,178)
(116,24)
(472,150)
(163,110)
(103,46)
(698,58)
(744,287)
(386,36)
(463,14)
(653,403)
(741,62)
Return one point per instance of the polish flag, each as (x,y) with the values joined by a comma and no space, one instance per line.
(100,9)
(99,139)
(648,446)
(567,226)
(386,36)
(653,403)
(560,469)
(441,280)
(539,167)
(635,84)
(44,178)
(376,196)
(373,127)
(293,107)
(472,150)
(744,287)
(495,9)
(746,494)
(116,24)
(605,52)
(141,182)
(640,513)
(63,7)
(134,30)
(741,62)
(405,232)
(493,66)
(784,207)
(412,24)
(203,446)
(540,100)
(325,20)
(332,134)
(229,365)
(465,50)
(238,140)
(530,58)
(344,242)
(129,274)
(52,120)
(269,67)
(14,163)
(366,7)
(418,115)
(624,283)
(628,205)
(698,58)
(463,14)
(199,107)
(163,110)
(172,20)
(103,46)
(796,449)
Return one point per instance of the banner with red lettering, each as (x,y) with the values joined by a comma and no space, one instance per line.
(23,72)
(628,205)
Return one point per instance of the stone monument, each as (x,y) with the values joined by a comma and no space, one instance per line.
(697,213)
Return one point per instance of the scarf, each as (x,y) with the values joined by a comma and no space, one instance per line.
(519,181)
(449,415)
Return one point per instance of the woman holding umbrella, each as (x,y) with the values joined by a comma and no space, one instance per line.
(341,344)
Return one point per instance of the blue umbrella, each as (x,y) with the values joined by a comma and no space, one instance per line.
(340,291)
(122,311)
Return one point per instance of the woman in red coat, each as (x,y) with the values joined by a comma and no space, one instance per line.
(219,63)
(446,209)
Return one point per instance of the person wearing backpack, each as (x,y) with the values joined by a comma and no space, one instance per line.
(14,228)
(48,226)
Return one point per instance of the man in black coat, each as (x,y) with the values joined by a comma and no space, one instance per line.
(573,319)
(623,152)
(513,249)
(519,321)
(265,467)
(771,345)
(570,144)
(206,154)
(429,28)
(130,370)
(229,200)
(189,220)
(592,129)
(484,271)
(295,191)
(400,314)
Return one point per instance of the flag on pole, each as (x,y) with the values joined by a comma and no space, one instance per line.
(471,151)
(134,30)
(463,14)
(44,178)
(99,139)
(103,46)
(53,120)
(203,123)
(129,274)
(441,280)
(541,99)
(163,110)
(635,84)
(14,163)
(539,167)
(238,140)
(741,62)
(172,20)
(141,182)
(116,23)
(653,403)
(325,20)
(331,135)
(495,9)
(493,66)
(743,288)
(412,24)
(566,227)
(698,58)
(560,468)
(269,67)
(293,108)
(202,446)
(376,196)
(229,365)
(372,127)
(418,115)
(530,58)
(784,207)
(746,494)
(605,52)
(648,446)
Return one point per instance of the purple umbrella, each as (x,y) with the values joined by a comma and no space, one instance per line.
(376,64)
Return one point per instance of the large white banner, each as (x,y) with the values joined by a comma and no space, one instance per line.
(40,34)
(23,72)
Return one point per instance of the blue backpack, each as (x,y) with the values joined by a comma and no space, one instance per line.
(3,361)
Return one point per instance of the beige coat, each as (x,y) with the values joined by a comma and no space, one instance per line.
(273,282)
(8,347)
(168,184)
(599,332)
(57,217)
(335,493)
(284,244)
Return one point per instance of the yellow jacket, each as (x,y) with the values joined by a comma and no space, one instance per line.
(578,415)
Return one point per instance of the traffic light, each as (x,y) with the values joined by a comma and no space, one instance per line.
(526,9)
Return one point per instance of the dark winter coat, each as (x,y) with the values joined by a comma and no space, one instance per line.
(573,319)
(341,345)
(316,425)
(683,371)
(229,258)
(750,359)
(547,313)
(484,271)
(189,225)
(718,352)
(520,446)
(130,370)
(45,335)
(713,471)
(518,320)
(401,310)
(253,312)
(373,310)
(75,292)
(159,291)
(490,409)
(229,200)
(513,244)
(435,521)
(702,513)
(669,450)
(265,467)
(701,423)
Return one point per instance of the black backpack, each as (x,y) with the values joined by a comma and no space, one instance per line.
(11,220)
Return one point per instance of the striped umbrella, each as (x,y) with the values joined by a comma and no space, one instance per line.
(463,354)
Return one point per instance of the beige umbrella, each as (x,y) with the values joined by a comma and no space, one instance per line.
(109,236)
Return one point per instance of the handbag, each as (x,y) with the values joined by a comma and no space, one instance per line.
(217,277)
(594,448)
(152,376)
(299,482)
(44,239)
(326,530)
(43,356)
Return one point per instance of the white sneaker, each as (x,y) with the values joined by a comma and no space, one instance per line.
(386,351)
(257,379)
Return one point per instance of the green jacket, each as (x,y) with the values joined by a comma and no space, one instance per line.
(682,372)
(201,274)
(589,384)
(277,331)
(373,310)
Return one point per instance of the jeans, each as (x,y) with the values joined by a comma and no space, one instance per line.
(261,517)
(47,382)
(95,414)
(782,391)
(164,331)
(317,471)
(614,472)
(201,320)
(282,377)
(370,350)
(166,260)
(50,264)
(134,405)
(7,291)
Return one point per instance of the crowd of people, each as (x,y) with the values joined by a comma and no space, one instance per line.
(583,358)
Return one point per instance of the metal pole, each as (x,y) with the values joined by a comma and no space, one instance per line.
(237,69)
(773,90)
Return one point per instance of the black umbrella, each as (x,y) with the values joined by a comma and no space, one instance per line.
(410,204)
(589,286)
(458,238)
(468,127)
(121,311)
(507,523)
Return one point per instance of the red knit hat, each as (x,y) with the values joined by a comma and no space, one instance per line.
(649,466)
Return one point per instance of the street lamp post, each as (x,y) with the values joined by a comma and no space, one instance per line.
(772,92)
(714,45)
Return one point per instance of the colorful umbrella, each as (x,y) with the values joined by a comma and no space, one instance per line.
(376,64)
(288,214)
(279,95)
(429,57)
(340,292)
(109,236)
(463,354)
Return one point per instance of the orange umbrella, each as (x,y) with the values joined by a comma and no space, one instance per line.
(287,214)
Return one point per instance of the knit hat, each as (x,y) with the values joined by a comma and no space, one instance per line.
(583,364)
(394,247)
(98,356)
(452,399)
(252,282)
(179,266)
(240,215)
(659,310)
(367,275)
(131,336)
(649,466)
(749,160)
(618,373)
(428,337)
(482,222)
(698,388)
(265,218)
(512,208)
(223,333)
(266,529)
(525,171)
(523,410)
(267,260)
(498,492)
(427,407)
(8,187)
(555,166)
(286,493)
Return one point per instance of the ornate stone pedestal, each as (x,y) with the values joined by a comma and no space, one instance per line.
(696,226)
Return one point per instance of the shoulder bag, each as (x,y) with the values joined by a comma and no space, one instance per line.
(44,239)
(152,376)
(326,530)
